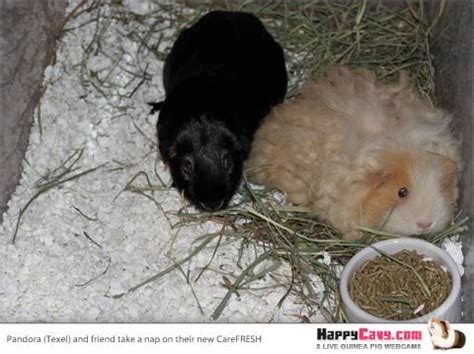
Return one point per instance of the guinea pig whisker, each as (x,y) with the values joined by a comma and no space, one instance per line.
(376,232)
(388,217)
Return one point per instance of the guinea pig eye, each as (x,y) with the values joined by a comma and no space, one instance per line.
(402,193)
(226,161)
(187,168)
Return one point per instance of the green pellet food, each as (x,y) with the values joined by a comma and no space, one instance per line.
(401,286)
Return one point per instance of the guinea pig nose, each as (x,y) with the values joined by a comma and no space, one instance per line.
(212,206)
(423,225)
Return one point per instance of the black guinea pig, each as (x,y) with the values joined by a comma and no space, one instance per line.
(221,78)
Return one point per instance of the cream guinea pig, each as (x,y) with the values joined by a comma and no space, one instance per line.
(358,152)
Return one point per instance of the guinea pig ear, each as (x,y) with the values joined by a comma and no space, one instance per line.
(170,151)
(447,325)
(445,328)
(377,178)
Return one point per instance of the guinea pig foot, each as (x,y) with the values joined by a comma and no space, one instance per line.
(352,235)
(155,106)
(184,201)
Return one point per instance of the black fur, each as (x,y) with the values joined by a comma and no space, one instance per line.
(460,339)
(221,78)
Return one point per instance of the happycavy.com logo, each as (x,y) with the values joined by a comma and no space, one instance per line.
(366,338)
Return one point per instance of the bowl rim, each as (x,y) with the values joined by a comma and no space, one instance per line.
(364,255)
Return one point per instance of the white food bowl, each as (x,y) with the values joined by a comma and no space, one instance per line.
(449,310)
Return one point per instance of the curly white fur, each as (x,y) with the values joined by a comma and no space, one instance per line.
(346,145)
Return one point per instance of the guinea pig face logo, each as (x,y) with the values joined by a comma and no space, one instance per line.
(443,336)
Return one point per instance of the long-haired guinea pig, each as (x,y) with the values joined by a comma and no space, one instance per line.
(221,78)
(358,152)
(443,336)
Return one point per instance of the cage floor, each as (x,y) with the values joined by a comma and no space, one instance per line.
(82,242)
(86,240)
